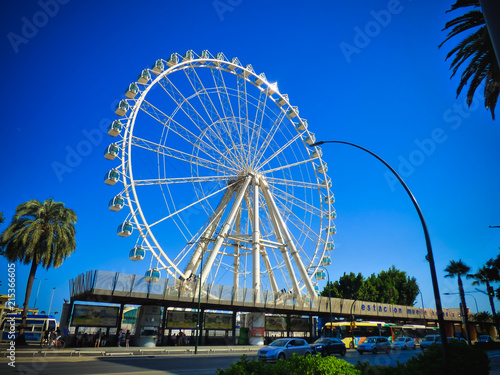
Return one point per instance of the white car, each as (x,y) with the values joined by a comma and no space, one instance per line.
(403,343)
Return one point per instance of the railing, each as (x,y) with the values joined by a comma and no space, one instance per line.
(115,284)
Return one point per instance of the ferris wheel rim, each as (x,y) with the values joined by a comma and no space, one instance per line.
(127,164)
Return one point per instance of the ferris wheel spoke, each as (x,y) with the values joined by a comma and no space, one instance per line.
(257,123)
(183,180)
(263,148)
(289,182)
(227,109)
(287,166)
(279,151)
(303,227)
(281,194)
(179,155)
(182,131)
(207,103)
(188,206)
(242,105)
(194,116)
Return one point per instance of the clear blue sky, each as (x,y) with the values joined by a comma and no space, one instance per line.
(367,72)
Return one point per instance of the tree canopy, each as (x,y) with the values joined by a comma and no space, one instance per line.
(39,234)
(475,50)
(391,286)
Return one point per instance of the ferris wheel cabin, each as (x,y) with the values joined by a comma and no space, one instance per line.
(282,100)
(144,77)
(131,91)
(330,246)
(115,128)
(329,198)
(326,183)
(111,177)
(310,139)
(158,67)
(331,230)
(152,276)
(317,153)
(320,275)
(122,108)
(172,60)
(111,151)
(323,168)
(116,203)
(137,253)
(293,112)
(125,229)
(301,126)
(326,260)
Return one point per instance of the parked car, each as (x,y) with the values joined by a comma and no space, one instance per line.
(428,340)
(374,345)
(453,339)
(403,343)
(485,338)
(328,346)
(283,348)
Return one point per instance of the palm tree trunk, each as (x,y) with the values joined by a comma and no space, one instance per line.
(31,280)
(465,312)
(491,9)
(493,311)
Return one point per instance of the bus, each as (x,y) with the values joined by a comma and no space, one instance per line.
(36,326)
(417,331)
(359,331)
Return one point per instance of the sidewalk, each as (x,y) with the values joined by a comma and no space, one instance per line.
(33,350)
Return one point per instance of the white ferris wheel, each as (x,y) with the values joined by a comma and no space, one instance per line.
(218,178)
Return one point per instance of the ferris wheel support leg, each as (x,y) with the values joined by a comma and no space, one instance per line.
(225,229)
(195,260)
(236,262)
(256,240)
(277,228)
(263,253)
(291,245)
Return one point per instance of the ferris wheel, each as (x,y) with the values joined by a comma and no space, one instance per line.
(218,178)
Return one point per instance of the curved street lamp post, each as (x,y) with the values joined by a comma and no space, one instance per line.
(329,296)
(429,257)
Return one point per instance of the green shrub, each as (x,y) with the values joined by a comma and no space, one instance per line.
(464,360)
(297,365)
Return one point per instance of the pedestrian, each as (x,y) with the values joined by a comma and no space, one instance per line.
(97,339)
(119,337)
(127,338)
(52,338)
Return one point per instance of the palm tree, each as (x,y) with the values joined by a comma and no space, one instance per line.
(460,269)
(485,275)
(477,49)
(40,234)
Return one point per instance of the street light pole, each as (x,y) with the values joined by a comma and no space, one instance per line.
(51,298)
(429,257)
(38,290)
(329,296)
(353,344)
(199,308)
(467,294)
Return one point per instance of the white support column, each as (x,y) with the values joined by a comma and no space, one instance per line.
(263,252)
(291,245)
(225,228)
(279,237)
(236,261)
(201,247)
(256,241)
